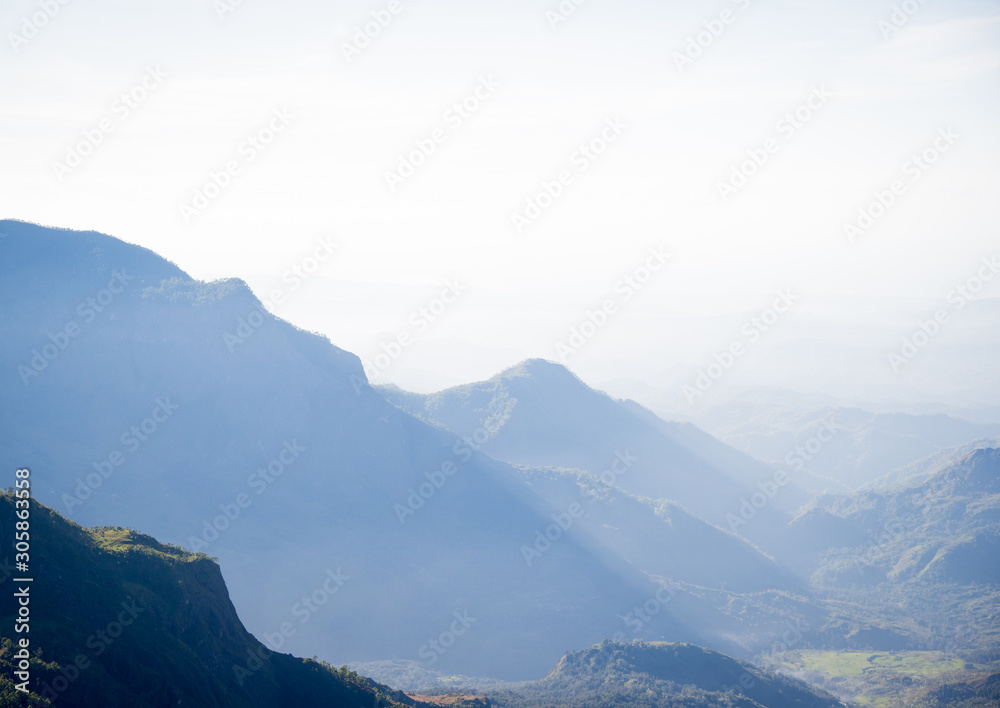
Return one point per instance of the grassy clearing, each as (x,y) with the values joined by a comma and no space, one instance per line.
(874,679)
(915,664)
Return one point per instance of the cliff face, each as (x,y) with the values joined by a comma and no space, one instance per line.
(120,620)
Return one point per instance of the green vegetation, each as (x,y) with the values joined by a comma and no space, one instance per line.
(858,663)
(456,701)
(973,692)
(658,675)
(121,619)
(880,679)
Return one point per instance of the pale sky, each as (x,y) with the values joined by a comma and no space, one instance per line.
(212,82)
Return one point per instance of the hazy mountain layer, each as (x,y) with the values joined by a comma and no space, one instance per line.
(544,415)
(860,447)
(347,528)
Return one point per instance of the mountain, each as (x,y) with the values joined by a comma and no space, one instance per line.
(538,413)
(658,536)
(139,396)
(946,528)
(979,692)
(924,468)
(865,445)
(913,565)
(650,674)
(659,674)
(119,619)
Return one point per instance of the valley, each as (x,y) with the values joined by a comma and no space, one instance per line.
(492,530)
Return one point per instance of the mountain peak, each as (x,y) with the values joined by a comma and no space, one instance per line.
(538,369)
(659,667)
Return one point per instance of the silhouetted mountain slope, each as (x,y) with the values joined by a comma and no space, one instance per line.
(122,620)
(183,408)
(544,415)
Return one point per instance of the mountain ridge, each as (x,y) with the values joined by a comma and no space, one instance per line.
(541,414)
(370,489)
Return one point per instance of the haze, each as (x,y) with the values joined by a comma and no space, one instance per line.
(877,97)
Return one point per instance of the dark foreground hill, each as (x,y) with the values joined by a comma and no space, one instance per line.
(119,619)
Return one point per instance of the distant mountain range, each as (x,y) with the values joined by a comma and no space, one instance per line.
(145,398)
(484,530)
(539,414)
(946,529)
(865,447)
(916,562)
